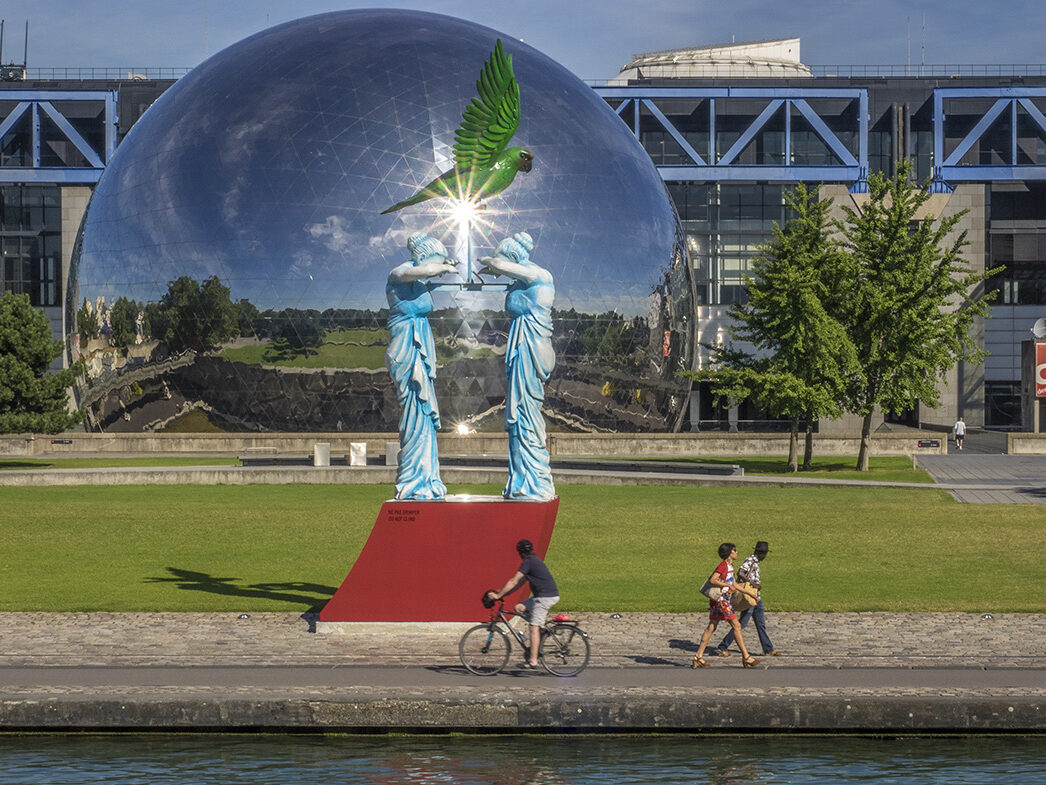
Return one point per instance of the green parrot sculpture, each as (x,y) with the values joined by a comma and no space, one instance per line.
(483,165)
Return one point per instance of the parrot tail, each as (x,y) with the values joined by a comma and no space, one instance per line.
(420,196)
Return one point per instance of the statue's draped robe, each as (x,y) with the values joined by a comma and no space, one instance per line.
(411,360)
(529,360)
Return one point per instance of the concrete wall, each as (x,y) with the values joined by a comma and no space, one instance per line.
(560,444)
(1026,443)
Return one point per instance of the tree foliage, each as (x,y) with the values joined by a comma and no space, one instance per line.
(804,359)
(191,315)
(32,400)
(123,322)
(911,301)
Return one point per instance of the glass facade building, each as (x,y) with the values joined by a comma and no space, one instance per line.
(729,145)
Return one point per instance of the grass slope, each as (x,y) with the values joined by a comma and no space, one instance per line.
(253,548)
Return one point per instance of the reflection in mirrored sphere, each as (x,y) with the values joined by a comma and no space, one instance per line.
(231,268)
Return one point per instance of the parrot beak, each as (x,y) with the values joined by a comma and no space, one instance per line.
(528,161)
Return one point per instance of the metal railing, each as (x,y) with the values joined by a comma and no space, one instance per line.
(110,74)
(933,69)
(914,70)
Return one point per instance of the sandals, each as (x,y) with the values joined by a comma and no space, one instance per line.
(751,662)
(699,662)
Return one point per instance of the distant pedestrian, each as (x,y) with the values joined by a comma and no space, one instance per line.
(749,572)
(960,432)
(721,609)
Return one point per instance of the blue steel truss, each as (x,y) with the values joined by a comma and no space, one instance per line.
(948,169)
(37,104)
(716,164)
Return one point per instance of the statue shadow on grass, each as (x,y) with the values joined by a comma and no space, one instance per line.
(312,596)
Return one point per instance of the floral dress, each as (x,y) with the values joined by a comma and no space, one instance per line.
(721,609)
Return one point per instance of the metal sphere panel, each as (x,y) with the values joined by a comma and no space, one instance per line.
(233,259)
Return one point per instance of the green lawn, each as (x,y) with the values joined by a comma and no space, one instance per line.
(335,352)
(889,468)
(103,462)
(254,548)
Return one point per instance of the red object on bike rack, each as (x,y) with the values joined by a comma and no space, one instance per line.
(432,560)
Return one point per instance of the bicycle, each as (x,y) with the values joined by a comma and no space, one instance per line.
(563,648)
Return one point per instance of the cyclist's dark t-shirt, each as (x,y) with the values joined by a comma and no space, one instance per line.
(540,579)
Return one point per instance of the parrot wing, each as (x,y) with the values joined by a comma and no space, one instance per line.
(492,117)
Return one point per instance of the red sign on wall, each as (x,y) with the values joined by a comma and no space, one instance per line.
(1040,370)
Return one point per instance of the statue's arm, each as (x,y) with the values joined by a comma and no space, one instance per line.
(499,265)
(409,272)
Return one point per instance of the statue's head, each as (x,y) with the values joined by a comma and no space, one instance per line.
(423,247)
(517,248)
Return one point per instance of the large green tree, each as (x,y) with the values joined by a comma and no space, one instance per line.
(911,302)
(32,400)
(804,359)
(191,315)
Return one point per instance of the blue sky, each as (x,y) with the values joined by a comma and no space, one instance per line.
(593,38)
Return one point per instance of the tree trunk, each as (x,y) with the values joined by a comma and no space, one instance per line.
(793,445)
(808,448)
(866,442)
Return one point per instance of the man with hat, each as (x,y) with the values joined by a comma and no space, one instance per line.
(749,571)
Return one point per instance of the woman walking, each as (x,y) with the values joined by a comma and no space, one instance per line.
(721,609)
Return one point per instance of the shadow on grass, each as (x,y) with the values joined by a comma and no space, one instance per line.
(26,465)
(294,592)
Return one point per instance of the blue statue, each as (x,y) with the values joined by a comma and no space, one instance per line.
(411,360)
(529,359)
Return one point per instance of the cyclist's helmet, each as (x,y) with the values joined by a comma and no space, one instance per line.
(524,547)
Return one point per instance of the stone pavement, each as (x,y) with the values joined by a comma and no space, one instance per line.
(829,640)
(989,479)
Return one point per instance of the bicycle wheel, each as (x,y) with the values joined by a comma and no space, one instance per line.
(484,649)
(563,650)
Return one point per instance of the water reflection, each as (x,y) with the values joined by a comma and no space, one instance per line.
(519,760)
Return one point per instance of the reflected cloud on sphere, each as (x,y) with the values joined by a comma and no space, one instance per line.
(233,260)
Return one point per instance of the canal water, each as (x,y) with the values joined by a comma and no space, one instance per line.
(519,760)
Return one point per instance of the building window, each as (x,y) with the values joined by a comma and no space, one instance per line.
(1017,243)
(31,242)
(725,224)
(1002,405)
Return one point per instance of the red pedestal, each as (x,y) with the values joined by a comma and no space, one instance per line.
(432,560)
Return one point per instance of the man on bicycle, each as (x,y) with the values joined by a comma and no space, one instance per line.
(543,590)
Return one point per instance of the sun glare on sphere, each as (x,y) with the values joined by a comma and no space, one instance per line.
(463,429)
(463,211)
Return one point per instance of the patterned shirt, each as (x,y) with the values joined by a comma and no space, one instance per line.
(750,566)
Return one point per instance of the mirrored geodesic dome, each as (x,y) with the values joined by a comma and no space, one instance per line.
(233,260)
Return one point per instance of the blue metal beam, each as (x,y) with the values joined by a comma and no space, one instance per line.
(79,175)
(644,91)
(36,134)
(1033,113)
(950,169)
(13,117)
(712,166)
(680,139)
(72,134)
(750,132)
(770,174)
(825,132)
(34,102)
(977,132)
(955,174)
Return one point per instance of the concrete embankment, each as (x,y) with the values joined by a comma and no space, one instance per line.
(836,673)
